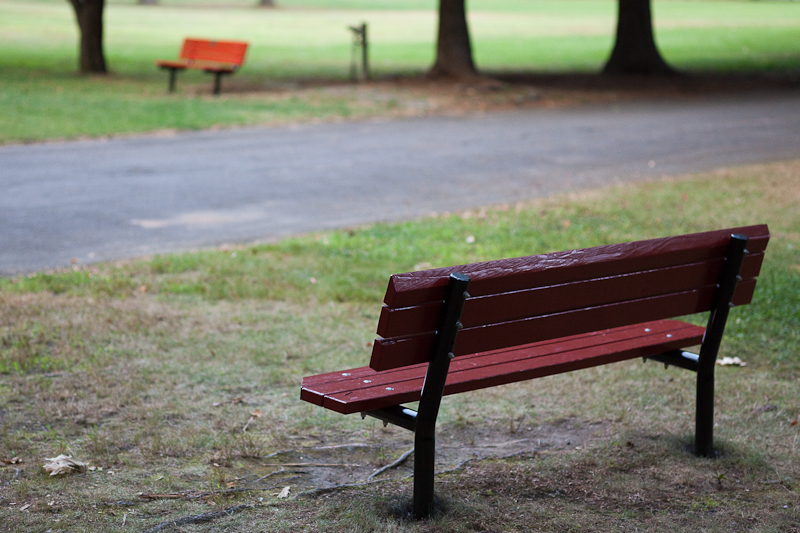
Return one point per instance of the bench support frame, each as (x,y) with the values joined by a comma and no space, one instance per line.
(423,421)
(432,391)
(704,420)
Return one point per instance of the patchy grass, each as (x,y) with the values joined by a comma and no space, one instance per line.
(150,369)
(298,62)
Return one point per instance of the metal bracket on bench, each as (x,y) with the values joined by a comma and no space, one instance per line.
(397,414)
(679,358)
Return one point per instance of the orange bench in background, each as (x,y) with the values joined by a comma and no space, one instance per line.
(214,57)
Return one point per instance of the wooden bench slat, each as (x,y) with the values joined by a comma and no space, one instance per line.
(390,353)
(507,275)
(211,50)
(508,366)
(346,380)
(546,300)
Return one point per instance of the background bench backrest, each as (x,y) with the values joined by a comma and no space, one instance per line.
(206,50)
(536,298)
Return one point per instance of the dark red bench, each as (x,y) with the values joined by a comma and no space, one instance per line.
(215,57)
(536,316)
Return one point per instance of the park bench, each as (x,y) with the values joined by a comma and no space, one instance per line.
(463,328)
(215,57)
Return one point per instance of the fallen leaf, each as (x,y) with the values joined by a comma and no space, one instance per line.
(12,461)
(731,361)
(231,484)
(285,492)
(256,413)
(63,464)
(24,507)
(794,423)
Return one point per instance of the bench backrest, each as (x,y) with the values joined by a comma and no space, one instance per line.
(536,298)
(207,50)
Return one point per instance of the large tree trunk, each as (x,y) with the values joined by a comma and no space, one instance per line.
(635,50)
(453,48)
(89,14)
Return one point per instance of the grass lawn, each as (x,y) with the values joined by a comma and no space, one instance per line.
(150,370)
(301,49)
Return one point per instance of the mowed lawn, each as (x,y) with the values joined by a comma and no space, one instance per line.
(306,43)
(176,378)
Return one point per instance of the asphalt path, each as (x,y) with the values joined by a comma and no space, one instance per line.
(107,199)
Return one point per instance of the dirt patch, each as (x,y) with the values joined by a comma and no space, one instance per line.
(323,467)
(399,96)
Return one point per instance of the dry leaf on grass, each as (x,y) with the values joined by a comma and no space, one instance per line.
(285,492)
(12,461)
(63,464)
(731,361)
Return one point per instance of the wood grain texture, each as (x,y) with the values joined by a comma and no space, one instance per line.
(394,353)
(508,275)
(544,300)
(364,389)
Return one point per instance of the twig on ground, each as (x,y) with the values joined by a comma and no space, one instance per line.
(269,475)
(325,490)
(402,459)
(273,454)
(337,446)
(309,464)
(193,494)
(197,519)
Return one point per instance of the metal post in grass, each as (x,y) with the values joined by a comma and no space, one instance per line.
(431,397)
(704,421)
(359,42)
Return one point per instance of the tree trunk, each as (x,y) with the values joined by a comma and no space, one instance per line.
(453,48)
(89,14)
(635,49)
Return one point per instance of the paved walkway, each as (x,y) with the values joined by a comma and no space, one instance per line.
(95,200)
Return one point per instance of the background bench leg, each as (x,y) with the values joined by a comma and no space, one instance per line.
(704,421)
(173,72)
(217,82)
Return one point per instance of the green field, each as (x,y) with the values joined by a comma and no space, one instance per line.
(150,369)
(305,43)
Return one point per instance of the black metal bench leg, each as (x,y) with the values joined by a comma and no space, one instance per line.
(704,421)
(173,72)
(217,82)
(431,398)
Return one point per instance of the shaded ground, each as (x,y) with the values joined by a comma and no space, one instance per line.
(324,467)
(418,96)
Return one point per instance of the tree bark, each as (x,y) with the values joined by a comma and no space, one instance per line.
(635,49)
(89,14)
(453,48)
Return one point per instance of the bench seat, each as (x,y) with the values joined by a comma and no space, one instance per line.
(364,389)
